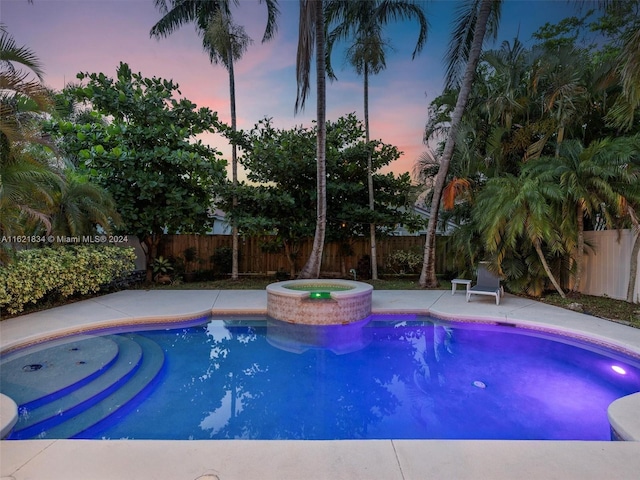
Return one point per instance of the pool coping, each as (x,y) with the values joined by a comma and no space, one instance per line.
(355,459)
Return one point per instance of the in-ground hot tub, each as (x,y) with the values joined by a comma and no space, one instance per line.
(319,302)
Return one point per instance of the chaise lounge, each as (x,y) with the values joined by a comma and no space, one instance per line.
(487,284)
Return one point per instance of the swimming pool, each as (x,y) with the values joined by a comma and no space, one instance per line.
(389,377)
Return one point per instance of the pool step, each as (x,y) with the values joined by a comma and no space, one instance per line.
(139,361)
(50,371)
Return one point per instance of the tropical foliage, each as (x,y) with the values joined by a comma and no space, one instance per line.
(40,194)
(540,153)
(146,154)
(363,23)
(61,272)
(225,42)
(282,199)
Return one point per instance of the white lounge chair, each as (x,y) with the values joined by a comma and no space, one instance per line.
(487,284)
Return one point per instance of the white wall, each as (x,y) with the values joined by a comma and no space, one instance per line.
(607,264)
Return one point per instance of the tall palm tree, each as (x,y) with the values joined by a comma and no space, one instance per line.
(225,42)
(363,22)
(471,25)
(311,36)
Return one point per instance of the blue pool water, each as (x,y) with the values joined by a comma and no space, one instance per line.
(391,377)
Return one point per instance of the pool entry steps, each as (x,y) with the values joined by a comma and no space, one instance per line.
(319,302)
(73,386)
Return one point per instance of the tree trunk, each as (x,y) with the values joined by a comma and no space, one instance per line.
(312,267)
(428,273)
(633,268)
(151,241)
(580,246)
(372,226)
(234,167)
(635,251)
(291,255)
(547,269)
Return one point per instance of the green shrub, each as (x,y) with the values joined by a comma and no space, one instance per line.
(404,262)
(64,271)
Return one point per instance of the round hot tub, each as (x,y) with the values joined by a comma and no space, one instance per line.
(319,302)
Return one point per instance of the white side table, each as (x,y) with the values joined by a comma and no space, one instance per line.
(459,281)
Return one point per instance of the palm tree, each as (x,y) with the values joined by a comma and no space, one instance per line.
(363,22)
(589,178)
(80,206)
(510,208)
(471,25)
(627,68)
(26,181)
(505,98)
(225,42)
(311,35)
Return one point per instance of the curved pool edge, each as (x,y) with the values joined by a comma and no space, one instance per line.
(624,418)
(8,415)
(441,304)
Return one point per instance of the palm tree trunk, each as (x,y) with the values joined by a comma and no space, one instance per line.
(312,267)
(547,269)
(234,167)
(580,246)
(372,226)
(633,268)
(428,273)
(635,251)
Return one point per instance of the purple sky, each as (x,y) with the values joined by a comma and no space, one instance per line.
(70,36)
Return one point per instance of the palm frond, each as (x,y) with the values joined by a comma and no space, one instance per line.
(306,43)
(11,53)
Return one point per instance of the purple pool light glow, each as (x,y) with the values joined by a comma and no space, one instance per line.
(385,377)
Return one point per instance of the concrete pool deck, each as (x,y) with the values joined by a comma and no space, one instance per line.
(308,460)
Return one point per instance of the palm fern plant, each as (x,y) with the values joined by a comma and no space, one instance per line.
(27,182)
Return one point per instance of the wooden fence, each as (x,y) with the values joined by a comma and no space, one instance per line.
(256,258)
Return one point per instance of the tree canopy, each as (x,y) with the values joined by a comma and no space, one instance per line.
(139,143)
(281,164)
(542,120)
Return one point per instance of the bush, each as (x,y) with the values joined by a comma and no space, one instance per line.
(404,262)
(222,260)
(65,271)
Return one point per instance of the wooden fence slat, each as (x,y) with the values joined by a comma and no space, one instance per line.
(254,260)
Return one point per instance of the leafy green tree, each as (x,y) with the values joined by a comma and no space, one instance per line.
(146,155)
(363,24)
(225,42)
(281,164)
(311,37)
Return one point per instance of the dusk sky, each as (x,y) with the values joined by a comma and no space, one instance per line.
(70,36)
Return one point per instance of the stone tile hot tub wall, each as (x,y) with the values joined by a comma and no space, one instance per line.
(296,306)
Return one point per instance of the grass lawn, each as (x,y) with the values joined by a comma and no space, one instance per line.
(604,307)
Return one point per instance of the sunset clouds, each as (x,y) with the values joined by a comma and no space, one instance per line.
(70,36)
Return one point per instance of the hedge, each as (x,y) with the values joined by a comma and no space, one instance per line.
(61,271)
